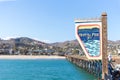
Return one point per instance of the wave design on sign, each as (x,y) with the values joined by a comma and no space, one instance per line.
(90,37)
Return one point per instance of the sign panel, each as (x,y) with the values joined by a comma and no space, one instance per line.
(89,37)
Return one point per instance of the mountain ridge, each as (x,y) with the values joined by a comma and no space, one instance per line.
(27,40)
(25,44)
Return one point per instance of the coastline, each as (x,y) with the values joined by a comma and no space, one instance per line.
(31,57)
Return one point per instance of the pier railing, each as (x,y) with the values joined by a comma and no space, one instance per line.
(92,66)
(95,66)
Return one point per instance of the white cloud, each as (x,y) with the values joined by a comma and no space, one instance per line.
(46,41)
(7,38)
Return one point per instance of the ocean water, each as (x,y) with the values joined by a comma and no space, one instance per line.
(42,69)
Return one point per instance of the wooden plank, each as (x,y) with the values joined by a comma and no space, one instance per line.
(104,46)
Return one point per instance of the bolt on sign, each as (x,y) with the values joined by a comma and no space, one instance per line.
(89,33)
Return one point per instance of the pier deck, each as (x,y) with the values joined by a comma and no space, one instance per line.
(95,66)
(92,66)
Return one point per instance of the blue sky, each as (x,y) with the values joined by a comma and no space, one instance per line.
(53,20)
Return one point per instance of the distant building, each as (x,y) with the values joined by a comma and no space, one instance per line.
(118,51)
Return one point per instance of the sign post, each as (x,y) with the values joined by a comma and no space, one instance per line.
(92,37)
(104,46)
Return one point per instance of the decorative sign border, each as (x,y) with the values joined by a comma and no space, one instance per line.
(91,24)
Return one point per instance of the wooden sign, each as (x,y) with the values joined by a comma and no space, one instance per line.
(89,36)
(92,37)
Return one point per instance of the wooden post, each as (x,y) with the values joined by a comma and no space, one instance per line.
(104,46)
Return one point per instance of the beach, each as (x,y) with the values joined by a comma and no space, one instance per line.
(31,57)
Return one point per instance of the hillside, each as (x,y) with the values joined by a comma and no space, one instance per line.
(113,46)
(66,43)
(20,45)
(25,44)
